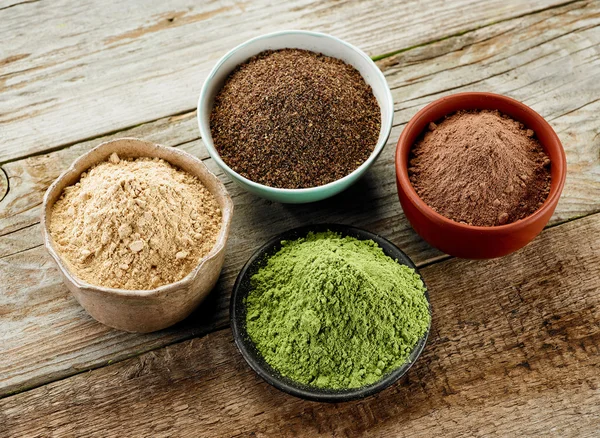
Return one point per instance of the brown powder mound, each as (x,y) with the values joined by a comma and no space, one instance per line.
(294,119)
(480,168)
(134,223)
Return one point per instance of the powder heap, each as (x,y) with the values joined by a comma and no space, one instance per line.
(134,223)
(335,312)
(294,119)
(480,168)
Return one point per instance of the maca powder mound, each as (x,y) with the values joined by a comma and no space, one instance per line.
(480,168)
(134,223)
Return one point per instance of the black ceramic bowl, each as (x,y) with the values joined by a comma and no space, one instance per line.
(253,356)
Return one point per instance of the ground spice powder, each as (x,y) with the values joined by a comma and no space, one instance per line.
(134,223)
(480,168)
(294,119)
(335,312)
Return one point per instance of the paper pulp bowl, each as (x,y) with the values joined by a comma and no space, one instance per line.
(316,42)
(143,311)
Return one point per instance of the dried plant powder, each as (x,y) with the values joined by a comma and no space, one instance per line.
(134,223)
(335,312)
(294,119)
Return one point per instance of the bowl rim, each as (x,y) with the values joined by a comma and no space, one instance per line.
(226,215)
(404,181)
(248,351)
(205,127)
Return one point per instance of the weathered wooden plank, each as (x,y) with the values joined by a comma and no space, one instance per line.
(549,62)
(104,66)
(33,290)
(78,343)
(533,50)
(5,4)
(513,351)
(29,178)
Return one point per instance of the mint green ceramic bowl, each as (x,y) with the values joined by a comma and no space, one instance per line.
(316,42)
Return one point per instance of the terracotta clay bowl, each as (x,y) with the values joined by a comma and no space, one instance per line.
(143,311)
(237,314)
(472,241)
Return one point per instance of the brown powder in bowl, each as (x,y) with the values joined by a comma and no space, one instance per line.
(294,119)
(480,168)
(134,223)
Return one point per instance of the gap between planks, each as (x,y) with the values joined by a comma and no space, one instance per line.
(18,4)
(473,29)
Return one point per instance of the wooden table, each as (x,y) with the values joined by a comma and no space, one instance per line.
(515,342)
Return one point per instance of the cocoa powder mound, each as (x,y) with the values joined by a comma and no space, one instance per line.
(481,168)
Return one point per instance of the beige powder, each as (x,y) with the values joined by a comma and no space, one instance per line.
(134,224)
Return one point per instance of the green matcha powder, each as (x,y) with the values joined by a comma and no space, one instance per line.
(335,312)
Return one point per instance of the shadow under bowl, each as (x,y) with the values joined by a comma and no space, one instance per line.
(467,241)
(254,358)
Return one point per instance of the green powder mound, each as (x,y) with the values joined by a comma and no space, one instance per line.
(335,312)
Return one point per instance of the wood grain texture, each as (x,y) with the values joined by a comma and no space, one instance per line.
(5,4)
(549,61)
(104,66)
(32,296)
(513,352)
(35,306)
(523,58)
